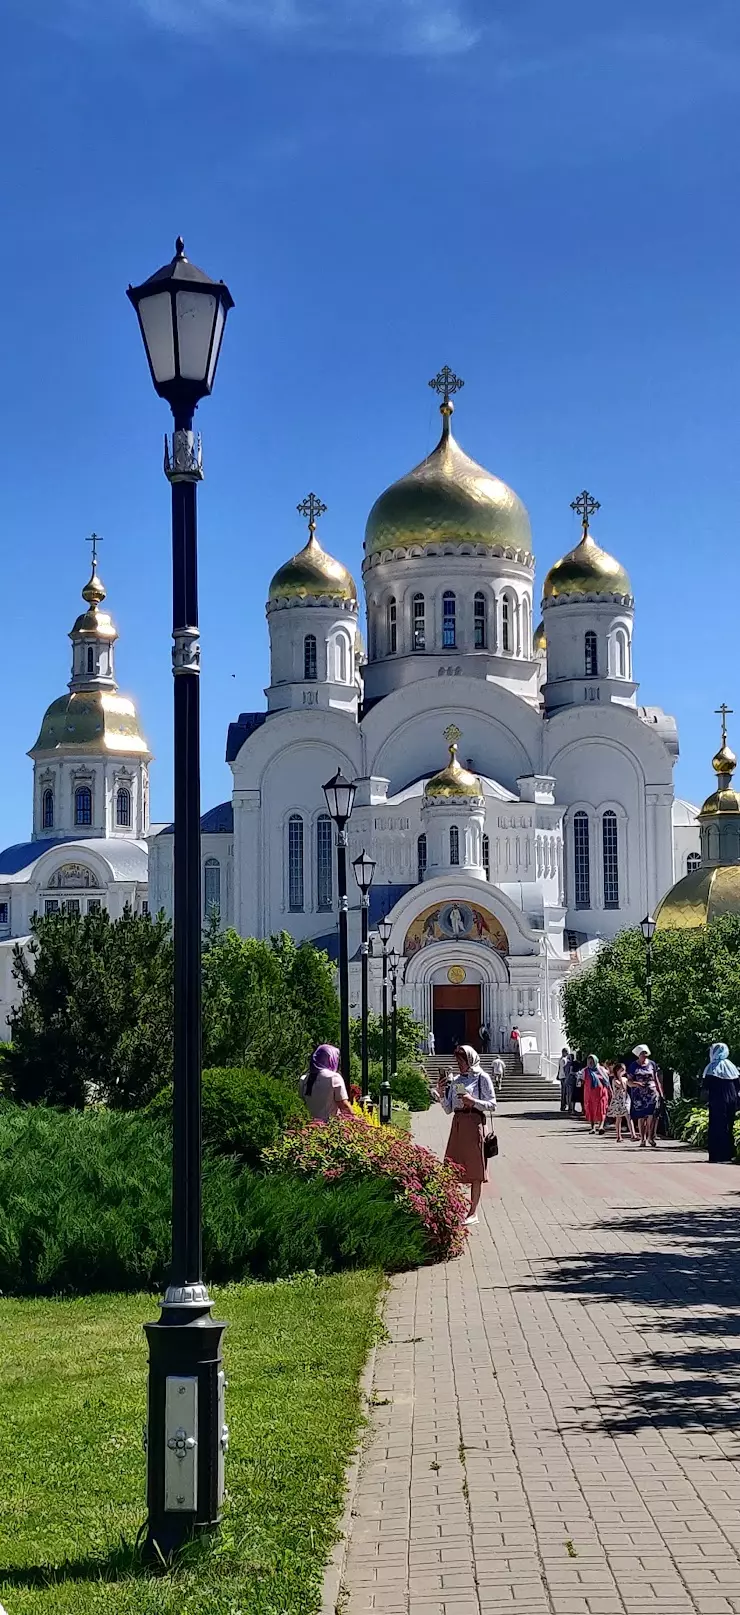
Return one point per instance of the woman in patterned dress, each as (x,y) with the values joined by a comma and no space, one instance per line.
(619,1105)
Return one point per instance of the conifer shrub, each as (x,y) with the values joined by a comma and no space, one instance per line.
(243,1111)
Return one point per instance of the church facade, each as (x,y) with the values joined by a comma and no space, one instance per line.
(516,797)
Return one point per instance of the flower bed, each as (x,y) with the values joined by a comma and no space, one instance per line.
(341,1149)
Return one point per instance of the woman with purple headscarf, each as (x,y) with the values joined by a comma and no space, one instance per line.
(323,1086)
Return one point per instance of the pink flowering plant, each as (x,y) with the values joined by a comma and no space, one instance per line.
(343,1149)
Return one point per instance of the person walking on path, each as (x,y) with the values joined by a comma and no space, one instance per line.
(565,1073)
(645,1094)
(515,1041)
(470,1099)
(619,1104)
(497,1072)
(721,1079)
(596,1093)
(323,1086)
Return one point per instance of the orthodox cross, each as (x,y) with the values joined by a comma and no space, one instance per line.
(94,539)
(452,734)
(724,712)
(585,506)
(311,507)
(446,383)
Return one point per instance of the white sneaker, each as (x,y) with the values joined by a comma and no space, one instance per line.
(469,1220)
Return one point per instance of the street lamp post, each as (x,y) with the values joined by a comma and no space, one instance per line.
(364,868)
(384,932)
(182,313)
(647,926)
(394,960)
(340,796)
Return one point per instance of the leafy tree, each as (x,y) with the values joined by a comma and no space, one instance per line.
(409,1035)
(95,1016)
(695,999)
(266,1004)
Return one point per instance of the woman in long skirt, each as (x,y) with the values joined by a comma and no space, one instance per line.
(596,1093)
(470,1098)
(721,1082)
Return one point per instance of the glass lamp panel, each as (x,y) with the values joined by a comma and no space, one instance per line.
(215,350)
(196,312)
(155,314)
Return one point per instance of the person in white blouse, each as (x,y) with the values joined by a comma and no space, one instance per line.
(470,1099)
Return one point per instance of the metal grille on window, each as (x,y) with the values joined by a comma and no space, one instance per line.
(324,862)
(83,805)
(212,889)
(419,622)
(693,862)
(591,656)
(506,623)
(454,844)
(47,811)
(611,860)
(295,863)
(448,620)
(123,807)
(479,622)
(486,853)
(391,608)
(309,657)
(421,857)
(581,861)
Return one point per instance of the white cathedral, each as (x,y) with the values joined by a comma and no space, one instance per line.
(517,800)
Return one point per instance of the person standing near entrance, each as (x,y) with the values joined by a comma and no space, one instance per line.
(470,1099)
(515,1041)
(497,1072)
(485,1040)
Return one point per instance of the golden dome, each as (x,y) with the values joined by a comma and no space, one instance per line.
(724,761)
(454,780)
(586,570)
(539,643)
(448,499)
(701,896)
(312,575)
(95,721)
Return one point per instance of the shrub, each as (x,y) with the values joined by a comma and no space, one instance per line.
(408,1084)
(341,1149)
(243,1111)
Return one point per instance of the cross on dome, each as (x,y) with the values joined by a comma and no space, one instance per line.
(585,506)
(446,383)
(452,734)
(724,712)
(311,507)
(94,539)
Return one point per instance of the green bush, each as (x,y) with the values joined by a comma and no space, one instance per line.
(407,1084)
(243,1111)
(85,1206)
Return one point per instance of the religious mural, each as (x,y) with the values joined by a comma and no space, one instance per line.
(455,922)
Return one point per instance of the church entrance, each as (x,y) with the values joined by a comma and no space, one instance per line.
(457,1017)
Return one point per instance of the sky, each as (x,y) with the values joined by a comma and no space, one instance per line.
(543,196)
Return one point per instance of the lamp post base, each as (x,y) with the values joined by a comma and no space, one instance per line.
(187,1436)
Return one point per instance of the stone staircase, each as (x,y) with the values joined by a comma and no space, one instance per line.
(517,1087)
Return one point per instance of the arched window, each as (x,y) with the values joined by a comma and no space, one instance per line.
(454,844)
(591,661)
(526,627)
(480,622)
(421,857)
(90,659)
(295,863)
(212,889)
(47,810)
(340,658)
(610,847)
(309,657)
(83,805)
(620,655)
(487,856)
(507,627)
(418,622)
(448,620)
(581,861)
(123,807)
(324,865)
(693,862)
(391,630)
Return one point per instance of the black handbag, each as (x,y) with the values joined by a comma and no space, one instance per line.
(490,1141)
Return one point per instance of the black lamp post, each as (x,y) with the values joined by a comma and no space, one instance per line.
(182,313)
(394,960)
(384,932)
(340,796)
(364,868)
(647,926)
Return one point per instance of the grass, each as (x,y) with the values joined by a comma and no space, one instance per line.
(72,1384)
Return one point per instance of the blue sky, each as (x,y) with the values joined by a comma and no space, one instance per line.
(541,195)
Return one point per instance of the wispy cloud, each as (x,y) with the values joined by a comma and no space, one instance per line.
(405,27)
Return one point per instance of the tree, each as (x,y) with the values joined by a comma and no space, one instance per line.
(95,1016)
(409,1035)
(266,1004)
(695,999)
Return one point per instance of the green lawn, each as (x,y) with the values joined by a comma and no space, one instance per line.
(72,1399)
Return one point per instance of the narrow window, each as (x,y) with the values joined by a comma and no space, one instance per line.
(480,636)
(610,846)
(487,856)
(506,623)
(693,862)
(212,889)
(93,905)
(71,905)
(419,625)
(90,659)
(309,657)
(391,626)
(144,906)
(51,905)
(448,620)
(295,863)
(341,658)
(591,659)
(526,628)
(454,844)
(324,862)
(123,808)
(581,861)
(47,810)
(83,805)
(4,914)
(421,857)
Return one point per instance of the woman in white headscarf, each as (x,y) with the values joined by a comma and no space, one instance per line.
(470,1098)
(721,1082)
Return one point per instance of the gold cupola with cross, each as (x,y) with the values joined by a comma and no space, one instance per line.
(714,888)
(586,570)
(454,780)
(312,612)
(311,575)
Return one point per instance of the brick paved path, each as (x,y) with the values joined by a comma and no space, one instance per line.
(556,1418)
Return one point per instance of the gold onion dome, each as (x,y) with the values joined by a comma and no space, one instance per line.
(586,570)
(94,623)
(713,890)
(448,499)
(312,574)
(539,642)
(91,721)
(454,780)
